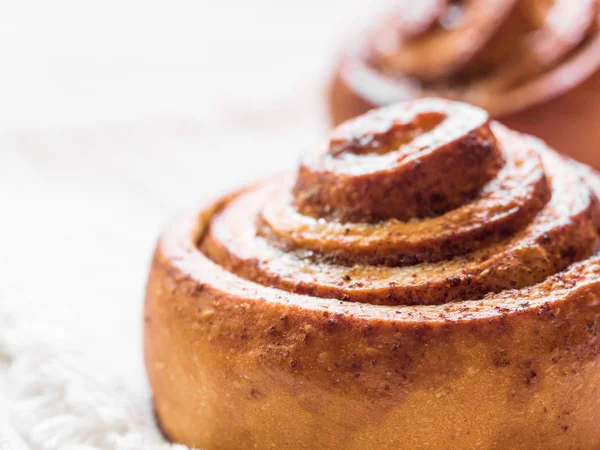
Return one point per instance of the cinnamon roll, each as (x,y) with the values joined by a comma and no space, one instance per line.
(427,280)
(533,64)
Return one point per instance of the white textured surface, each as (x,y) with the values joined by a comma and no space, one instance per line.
(114,116)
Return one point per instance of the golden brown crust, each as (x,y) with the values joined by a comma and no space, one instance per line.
(521,60)
(256,337)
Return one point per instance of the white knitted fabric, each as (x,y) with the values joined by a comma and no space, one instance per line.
(60,400)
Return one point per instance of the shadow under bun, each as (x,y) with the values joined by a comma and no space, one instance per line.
(533,64)
(429,279)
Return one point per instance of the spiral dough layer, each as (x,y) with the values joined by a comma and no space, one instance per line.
(420,203)
(428,280)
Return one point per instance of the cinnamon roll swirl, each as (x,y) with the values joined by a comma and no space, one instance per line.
(428,280)
(533,64)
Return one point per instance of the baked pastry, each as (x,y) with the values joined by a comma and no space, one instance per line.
(533,64)
(427,281)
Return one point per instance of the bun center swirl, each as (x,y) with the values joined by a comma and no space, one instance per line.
(419,203)
(387,164)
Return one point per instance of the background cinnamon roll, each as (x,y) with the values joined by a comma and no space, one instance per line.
(430,279)
(533,64)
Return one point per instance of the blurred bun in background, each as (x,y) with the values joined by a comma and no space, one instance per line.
(533,64)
